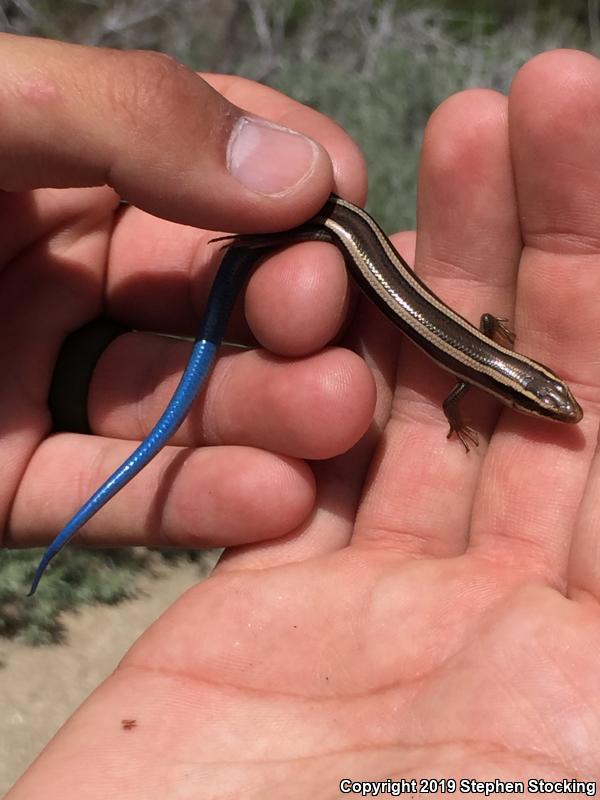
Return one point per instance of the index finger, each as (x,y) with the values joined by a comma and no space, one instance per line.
(535,473)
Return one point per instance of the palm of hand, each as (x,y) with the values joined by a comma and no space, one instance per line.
(366,666)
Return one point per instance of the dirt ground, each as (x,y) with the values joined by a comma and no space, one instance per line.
(41,686)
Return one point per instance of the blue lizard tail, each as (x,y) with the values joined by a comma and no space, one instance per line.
(233,272)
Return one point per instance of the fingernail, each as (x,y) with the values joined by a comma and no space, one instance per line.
(268,159)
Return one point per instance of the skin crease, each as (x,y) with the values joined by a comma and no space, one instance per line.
(437,614)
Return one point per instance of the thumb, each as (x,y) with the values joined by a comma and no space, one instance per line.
(154,131)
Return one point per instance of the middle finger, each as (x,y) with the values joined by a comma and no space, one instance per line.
(467,249)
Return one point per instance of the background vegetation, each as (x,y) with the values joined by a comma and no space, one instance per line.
(379,67)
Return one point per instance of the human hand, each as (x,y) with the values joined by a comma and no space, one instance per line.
(437,617)
(165,140)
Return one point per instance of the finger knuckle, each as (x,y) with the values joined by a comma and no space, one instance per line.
(145,85)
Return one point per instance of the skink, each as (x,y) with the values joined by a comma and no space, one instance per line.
(381,272)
